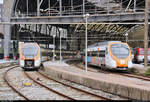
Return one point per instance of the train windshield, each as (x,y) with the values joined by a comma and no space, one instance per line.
(30,51)
(120,50)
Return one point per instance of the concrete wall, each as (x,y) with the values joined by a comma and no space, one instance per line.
(8,5)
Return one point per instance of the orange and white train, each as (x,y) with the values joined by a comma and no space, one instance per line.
(110,54)
(30,55)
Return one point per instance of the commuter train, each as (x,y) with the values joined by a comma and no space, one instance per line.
(139,55)
(30,55)
(111,55)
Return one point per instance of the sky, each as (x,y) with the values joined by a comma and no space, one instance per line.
(1,1)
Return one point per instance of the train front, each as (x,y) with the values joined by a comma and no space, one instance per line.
(30,56)
(120,54)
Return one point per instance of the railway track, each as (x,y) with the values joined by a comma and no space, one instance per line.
(64,87)
(50,89)
(8,81)
(15,88)
(9,67)
(22,94)
(122,74)
(11,85)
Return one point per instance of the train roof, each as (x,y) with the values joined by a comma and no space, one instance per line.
(101,43)
(97,45)
(23,44)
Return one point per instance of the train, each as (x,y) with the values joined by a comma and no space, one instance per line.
(30,55)
(110,55)
(139,55)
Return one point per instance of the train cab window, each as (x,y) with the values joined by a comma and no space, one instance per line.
(120,50)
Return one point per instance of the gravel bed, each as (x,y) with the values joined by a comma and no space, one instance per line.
(2,65)
(6,93)
(94,91)
(61,88)
(33,92)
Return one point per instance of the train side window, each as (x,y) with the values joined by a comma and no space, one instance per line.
(102,53)
(90,53)
(94,53)
(106,51)
(97,53)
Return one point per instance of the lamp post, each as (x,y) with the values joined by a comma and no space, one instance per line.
(60,49)
(86,17)
(53,47)
(126,37)
(146,32)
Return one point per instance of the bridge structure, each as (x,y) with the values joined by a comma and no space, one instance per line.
(108,19)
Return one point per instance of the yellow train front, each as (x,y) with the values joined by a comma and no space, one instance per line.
(30,56)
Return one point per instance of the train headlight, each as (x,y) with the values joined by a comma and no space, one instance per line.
(130,64)
(21,63)
(37,62)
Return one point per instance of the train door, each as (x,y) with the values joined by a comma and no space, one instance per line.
(106,55)
(89,57)
(98,59)
(102,57)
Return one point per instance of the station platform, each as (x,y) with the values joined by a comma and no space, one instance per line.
(7,61)
(112,83)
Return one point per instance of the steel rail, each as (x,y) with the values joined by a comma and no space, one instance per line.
(10,85)
(122,74)
(136,76)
